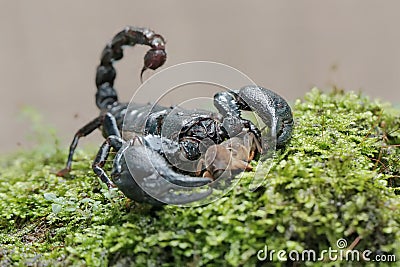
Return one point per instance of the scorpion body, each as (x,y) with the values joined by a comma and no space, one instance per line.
(172,137)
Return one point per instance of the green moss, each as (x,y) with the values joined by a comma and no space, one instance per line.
(338,178)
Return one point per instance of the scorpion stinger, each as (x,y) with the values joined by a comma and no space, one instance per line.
(106,94)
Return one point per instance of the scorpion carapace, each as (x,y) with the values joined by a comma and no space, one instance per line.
(161,149)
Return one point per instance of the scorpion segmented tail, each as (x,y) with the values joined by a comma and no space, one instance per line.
(105,75)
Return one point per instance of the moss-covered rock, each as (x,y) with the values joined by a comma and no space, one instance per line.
(336,180)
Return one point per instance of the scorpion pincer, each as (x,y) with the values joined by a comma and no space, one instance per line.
(161,150)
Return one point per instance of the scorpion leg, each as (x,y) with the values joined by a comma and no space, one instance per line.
(114,142)
(109,128)
(85,130)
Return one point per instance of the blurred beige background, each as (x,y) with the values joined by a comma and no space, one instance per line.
(49,51)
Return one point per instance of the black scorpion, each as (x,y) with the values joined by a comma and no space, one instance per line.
(150,131)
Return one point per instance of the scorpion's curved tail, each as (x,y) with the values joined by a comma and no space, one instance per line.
(105,75)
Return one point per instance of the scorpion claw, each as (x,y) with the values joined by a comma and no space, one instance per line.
(154,181)
(189,181)
(274,111)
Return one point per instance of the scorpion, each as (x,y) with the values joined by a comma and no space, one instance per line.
(151,155)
